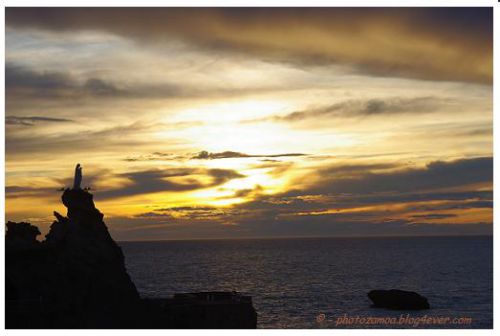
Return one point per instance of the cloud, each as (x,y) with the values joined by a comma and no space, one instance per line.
(99,87)
(435,175)
(152,228)
(425,43)
(16,191)
(431,204)
(156,156)
(422,201)
(53,188)
(192,213)
(31,121)
(204,155)
(246,193)
(115,137)
(22,82)
(137,182)
(22,78)
(26,86)
(357,169)
(377,199)
(187,208)
(367,108)
(382,207)
(433,216)
(168,180)
(413,201)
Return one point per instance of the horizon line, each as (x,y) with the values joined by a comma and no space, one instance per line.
(308,237)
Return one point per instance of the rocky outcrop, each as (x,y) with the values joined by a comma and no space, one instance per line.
(76,278)
(398,300)
(21,236)
(205,310)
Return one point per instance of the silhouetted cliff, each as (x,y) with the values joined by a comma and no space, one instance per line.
(76,278)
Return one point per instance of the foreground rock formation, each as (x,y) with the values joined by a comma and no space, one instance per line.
(206,310)
(76,278)
(398,300)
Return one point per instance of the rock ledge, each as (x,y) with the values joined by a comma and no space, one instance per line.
(76,278)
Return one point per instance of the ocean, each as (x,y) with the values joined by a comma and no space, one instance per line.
(323,282)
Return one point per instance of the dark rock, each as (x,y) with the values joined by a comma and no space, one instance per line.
(205,310)
(76,278)
(21,236)
(398,299)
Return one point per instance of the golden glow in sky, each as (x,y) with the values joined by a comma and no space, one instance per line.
(211,127)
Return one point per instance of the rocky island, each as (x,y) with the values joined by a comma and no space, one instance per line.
(76,278)
(397,299)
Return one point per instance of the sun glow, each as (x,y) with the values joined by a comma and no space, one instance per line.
(234,112)
(227,126)
(240,116)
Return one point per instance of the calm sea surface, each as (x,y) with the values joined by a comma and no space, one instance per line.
(310,283)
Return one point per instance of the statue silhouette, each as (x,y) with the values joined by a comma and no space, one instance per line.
(78,177)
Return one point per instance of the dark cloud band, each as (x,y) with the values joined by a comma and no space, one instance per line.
(428,43)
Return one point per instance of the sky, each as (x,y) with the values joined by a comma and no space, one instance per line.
(253,122)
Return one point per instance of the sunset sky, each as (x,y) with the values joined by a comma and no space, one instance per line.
(270,122)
